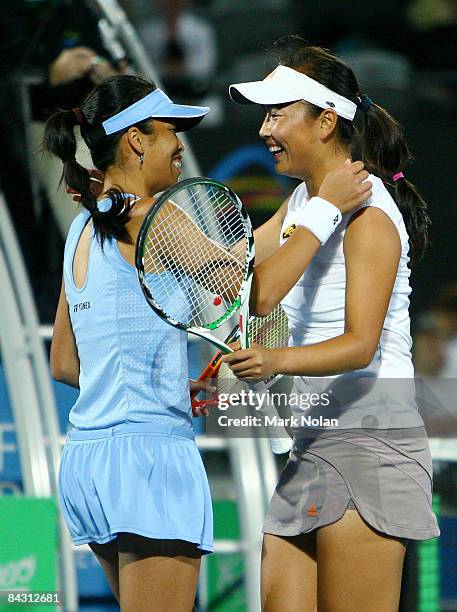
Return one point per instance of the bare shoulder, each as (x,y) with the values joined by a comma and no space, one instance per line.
(369,218)
(370,229)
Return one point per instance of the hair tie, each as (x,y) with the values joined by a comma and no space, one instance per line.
(365,103)
(78,114)
(397,176)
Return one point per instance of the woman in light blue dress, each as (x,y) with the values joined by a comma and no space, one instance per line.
(131,484)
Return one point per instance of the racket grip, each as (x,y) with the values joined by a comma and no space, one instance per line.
(205,403)
(279,438)
(280,446)
(209,372)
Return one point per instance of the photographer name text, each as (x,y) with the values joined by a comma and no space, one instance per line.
(275,421)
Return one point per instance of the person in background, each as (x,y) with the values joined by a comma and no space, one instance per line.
(183,46)
(435,343)
(58,52)
(52,55)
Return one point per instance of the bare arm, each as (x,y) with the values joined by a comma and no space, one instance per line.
(372,251)
(75,63)
(64,355)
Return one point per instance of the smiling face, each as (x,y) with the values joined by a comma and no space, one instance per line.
(291,136)
(162,157)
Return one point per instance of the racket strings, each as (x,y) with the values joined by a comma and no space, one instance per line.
(202,276)
(271,331)
(229,223)
(197,244)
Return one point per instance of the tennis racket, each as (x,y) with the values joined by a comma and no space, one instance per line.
(195,259)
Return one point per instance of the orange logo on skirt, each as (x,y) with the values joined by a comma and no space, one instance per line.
(312,510)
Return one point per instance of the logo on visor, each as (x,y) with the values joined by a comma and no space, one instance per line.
(330,104)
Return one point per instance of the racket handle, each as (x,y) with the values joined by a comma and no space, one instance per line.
(205,403)
(209,372)
(279,438)
(280,446)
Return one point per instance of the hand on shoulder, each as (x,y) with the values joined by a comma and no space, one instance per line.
(346,187)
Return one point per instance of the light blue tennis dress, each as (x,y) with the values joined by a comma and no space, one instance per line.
(131,463)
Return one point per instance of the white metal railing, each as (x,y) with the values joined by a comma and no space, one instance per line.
(32,399)
(443,449)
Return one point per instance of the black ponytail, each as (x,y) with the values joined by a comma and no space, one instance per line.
(417,220)
(106,100)
(59,139)
(385,153)
(380,141)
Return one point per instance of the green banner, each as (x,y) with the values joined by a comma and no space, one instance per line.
(226,589)
(28,551)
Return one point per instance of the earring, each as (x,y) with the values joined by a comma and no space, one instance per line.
(141,160)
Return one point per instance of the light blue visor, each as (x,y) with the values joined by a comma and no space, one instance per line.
(155,105)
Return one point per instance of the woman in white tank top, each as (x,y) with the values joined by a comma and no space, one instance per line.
(350,497)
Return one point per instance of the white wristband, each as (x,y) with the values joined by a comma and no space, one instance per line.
(320,217)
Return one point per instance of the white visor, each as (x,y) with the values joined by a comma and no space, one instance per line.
(287,85)
(156,104)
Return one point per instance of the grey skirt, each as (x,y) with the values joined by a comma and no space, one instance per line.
(386,475)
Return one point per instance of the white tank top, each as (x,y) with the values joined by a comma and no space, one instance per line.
(315,307)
